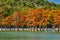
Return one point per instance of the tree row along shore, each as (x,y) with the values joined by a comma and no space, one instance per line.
(28,30)
(35,19)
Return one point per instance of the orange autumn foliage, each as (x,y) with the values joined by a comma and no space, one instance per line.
(34,17)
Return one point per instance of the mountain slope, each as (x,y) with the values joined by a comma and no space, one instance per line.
(10,6)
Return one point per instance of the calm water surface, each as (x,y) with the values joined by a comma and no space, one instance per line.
(29,36)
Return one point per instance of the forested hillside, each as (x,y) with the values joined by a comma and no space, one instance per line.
(58,6)
(8,7)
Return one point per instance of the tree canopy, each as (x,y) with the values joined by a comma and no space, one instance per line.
(8,7)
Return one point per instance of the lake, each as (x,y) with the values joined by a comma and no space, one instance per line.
(29,35)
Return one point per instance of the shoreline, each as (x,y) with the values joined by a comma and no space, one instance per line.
(26,29)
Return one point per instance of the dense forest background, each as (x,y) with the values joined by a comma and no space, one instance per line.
(7,7)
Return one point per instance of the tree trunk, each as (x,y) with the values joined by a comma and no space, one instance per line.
(23,28)
(45,28)
(58,29)
(10,28)
(39,28)
(14,28)
(36,29)
(18,28)
(33,28)
(53,28)
(5,28)
(1,28)
(30,28)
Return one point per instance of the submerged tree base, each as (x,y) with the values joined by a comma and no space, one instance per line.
(30,30)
